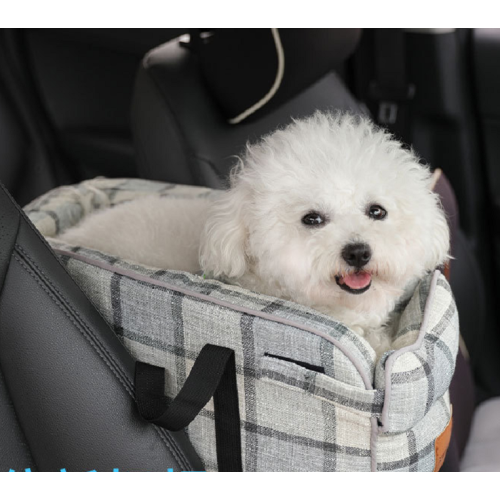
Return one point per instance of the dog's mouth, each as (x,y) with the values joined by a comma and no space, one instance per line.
(356,283)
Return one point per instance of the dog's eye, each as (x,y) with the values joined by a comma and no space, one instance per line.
(313,219)
(377,212)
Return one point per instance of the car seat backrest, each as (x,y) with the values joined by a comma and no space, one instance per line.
(251,72)
(182,109)
(31,163)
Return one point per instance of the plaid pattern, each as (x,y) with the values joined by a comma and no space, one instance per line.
(311,396)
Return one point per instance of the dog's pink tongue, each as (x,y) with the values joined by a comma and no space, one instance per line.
(358,281)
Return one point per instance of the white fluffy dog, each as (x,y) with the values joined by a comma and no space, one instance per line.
(330,212)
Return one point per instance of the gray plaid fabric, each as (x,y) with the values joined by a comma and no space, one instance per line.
(311,396)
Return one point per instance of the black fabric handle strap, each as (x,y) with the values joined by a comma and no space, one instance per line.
(213,374)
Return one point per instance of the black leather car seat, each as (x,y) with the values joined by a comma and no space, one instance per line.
(66,382)
(181,116)
(31,161)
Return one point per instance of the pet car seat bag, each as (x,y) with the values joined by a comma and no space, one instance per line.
(311,396)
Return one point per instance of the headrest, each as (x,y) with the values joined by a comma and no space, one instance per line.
(251,71)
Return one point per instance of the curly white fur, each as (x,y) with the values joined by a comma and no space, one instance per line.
(334,164)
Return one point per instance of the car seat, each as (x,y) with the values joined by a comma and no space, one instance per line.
(66,382)
(182,105)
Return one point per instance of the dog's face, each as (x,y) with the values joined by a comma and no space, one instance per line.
(330,212)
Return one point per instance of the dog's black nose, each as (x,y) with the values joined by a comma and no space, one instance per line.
(357,254)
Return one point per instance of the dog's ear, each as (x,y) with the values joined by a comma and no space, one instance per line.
(223,241)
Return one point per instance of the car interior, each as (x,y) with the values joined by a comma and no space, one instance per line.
(177,106)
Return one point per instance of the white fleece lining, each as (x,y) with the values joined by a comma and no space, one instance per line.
(277,82)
